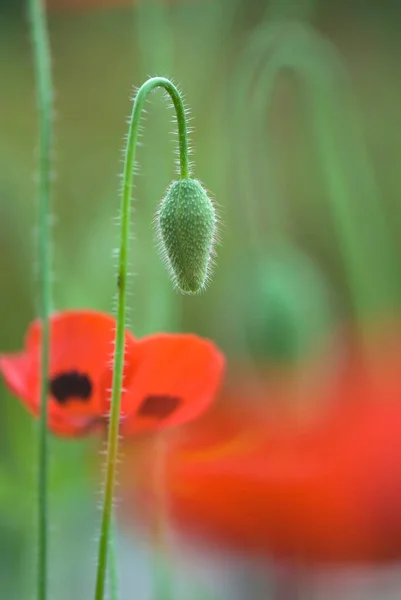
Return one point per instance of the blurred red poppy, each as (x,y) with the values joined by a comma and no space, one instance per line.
(168,378)
(325,490)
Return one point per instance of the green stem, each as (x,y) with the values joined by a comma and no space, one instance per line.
(128,175)
(162,587)
(262,40)
(279,15)
(41,47)
(371,269)
(162,572)
(155,40)
(113,569)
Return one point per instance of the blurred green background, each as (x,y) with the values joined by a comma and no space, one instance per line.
(99,55)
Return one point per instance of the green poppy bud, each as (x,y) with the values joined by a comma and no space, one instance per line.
(289,310)
(186,223)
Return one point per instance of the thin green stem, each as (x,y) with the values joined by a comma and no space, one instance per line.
(128,175)
(162,572)
(162,587)
(321,77)
(113,562)
(279,15)
(154,37)
(263,39)
(41,47)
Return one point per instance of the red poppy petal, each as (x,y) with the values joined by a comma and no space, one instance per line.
(18,375)
(81,350)
(63,426)
(176,379)
(16,369)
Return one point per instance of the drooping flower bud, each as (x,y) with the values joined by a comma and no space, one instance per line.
(289,310)
(186,223)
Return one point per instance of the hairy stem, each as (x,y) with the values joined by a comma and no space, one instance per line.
(41,54)
(128,175)
(154,35)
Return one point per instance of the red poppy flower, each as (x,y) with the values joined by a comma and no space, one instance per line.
(168,379)
(328,490)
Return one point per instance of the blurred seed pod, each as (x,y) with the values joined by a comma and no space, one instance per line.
(288,309)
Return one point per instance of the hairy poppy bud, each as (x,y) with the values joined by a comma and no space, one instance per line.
(186,222)
(289,309)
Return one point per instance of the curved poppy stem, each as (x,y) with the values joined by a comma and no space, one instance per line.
(263,39)
(371,269)
(41,54)
(154,35)
(128,175)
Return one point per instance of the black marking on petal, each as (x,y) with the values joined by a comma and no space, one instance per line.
(159,407)
(71,385)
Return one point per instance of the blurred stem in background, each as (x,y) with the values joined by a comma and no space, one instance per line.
(356,208)
(280,14)
(287,306)
(41,55)
(362,230)
(155,44)
(113,564)
(162,574)
(154,35)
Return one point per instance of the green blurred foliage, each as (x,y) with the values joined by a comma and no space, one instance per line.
(98,57)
